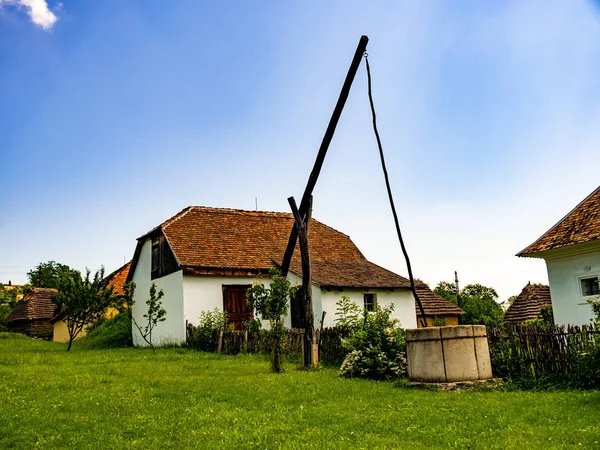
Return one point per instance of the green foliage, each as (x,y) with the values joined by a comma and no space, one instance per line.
(447,290)
(82,301)
(271,303)
(154,314)
(347,313)
(8,295)
(114,332)
(546,317)
(254,325)
(204,335)
(50,275)
(479,303)
(377,347)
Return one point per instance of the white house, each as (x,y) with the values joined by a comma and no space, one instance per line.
(571,249)
(205,258)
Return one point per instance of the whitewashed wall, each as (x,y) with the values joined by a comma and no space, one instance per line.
(172,330)
(205,293)
(568,304)
(403,300)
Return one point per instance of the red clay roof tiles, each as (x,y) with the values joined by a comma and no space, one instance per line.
(117,279)
(218,238)
(581,225)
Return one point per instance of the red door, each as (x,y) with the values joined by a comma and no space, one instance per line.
(235,305)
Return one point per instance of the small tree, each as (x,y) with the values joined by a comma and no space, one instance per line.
(271,303)
(154,314)
(82,301)
(347,313)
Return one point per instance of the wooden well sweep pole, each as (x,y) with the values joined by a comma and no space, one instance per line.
(314,175)
(309,341)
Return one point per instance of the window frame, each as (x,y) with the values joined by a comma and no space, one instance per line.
(580,281)
(373,304)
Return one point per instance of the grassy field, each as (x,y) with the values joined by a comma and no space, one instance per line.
(130,398)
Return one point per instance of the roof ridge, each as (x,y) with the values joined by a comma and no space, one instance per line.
(219,210)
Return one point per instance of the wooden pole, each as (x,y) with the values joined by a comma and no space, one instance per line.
(314,175)
(302,228)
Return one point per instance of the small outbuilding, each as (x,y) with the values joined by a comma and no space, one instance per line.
(438,310)
(31,315)
(528,304)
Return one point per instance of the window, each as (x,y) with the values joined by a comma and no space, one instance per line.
(156,257)
(163,260)
(589,286)
(370,302)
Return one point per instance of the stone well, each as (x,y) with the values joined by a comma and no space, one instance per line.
(448,354)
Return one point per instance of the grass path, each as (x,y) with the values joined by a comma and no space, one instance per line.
(130,398)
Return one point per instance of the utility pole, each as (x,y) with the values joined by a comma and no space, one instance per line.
(458,300)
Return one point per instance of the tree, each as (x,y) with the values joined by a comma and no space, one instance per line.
(271,303)
(82,301)
(50,274)
(155,313)
(477,301)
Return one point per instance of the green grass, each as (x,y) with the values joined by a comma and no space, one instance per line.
(131,398)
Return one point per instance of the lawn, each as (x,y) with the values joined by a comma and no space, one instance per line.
(182,399)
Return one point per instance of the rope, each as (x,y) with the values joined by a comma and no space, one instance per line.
(389,191)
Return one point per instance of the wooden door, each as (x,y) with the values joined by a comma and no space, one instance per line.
(235,305)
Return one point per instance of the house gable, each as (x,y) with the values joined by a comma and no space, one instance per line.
(579,226)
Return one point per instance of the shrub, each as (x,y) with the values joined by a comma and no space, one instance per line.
(377,347)
(109,333)
(203,336)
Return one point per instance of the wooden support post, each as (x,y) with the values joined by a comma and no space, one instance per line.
(302,229)
(315,349)
(246,341)
(314,175)
(220,340)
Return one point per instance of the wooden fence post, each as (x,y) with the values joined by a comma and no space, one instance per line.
(220,340)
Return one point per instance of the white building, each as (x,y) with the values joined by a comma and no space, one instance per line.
(205,258)
(571,249)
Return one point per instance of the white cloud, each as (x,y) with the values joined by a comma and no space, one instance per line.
(37,10)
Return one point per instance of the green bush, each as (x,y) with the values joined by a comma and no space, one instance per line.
(108,333)
(204,335)
(377,346)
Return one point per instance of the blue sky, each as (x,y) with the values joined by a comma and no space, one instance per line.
(116,115)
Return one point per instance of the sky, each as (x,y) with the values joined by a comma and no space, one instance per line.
(116,115)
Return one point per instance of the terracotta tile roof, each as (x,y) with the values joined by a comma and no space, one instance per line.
(117,279)
(581,225)
(35,304)
(528,303)
(358,273)
(435,305)
(205,238)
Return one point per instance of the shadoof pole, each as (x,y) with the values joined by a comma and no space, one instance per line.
(314,174)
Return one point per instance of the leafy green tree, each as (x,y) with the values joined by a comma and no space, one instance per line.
(81,300)
(447,290)
(155,313)
(50,274)
(480,303)
(271,303)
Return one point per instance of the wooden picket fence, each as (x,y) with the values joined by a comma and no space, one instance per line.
(540,351)
(233,342)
